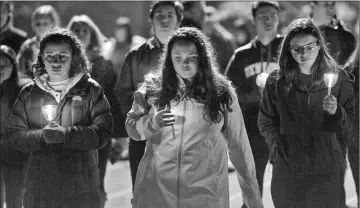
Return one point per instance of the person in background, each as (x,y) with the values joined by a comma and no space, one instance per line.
(43,19)
(248,69)
(62,119)
(298,118)
(115,49)
(352,66)
(102,72)
(340,41)
(194,14)
(12,161)
(197,14)
(189,115)
(10,35)
(221,39)
(341,44)
(164,18)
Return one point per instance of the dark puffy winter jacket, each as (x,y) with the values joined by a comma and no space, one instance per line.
(61,171)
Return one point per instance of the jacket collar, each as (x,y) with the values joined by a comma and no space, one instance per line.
(257,44)
(154,42)
(41,81)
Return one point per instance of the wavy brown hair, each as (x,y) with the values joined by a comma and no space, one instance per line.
(208,86)
(79,61)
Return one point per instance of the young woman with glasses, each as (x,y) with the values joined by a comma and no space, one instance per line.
(298,119)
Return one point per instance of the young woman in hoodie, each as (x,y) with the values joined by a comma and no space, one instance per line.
(189,116)
(298,119)
(61,119)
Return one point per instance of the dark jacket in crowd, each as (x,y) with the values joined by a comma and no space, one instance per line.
(340,41)
(59,172)
(11,36)
(103,73)
(243,69)
(138,62)
(26,56)
(291,117)
(224,45)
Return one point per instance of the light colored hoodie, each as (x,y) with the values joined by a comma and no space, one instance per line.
(185,165)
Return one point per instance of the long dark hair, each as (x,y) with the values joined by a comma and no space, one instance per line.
(208,86)
(97,39)
(324,61)
(79,61)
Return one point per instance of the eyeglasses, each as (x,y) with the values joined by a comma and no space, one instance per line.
(307,48)
(57,58)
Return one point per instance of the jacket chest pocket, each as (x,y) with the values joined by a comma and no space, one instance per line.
(79,109)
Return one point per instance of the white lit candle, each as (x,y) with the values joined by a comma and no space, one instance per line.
(330,80)
(49,112)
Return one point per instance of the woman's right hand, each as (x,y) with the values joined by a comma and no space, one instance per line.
(164,118)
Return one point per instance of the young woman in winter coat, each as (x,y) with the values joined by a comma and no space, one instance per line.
(102,71)
(299,120)
(189,114)
(12,161)
(63,167)
(43,19)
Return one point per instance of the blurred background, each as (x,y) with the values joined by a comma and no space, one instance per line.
(234,15)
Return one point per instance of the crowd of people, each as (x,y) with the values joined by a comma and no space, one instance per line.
(185,107)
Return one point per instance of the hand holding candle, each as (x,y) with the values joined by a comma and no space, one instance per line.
(54,133)
(164,118)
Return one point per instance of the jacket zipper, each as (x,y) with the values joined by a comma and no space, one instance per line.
(179,156)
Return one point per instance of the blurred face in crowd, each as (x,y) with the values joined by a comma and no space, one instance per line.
(185,58)
(165,20)
(304,49)
(5,68)
(266,20)
(120,34)
(4,14)
(324,11)
(42,25)
(198,12)
(83,32)
(57,59)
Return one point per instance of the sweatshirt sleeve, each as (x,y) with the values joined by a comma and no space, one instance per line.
(345,112)
(140,122)
(268,120)
(241,154)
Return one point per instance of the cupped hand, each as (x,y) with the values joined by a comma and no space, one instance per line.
(164,118)
(53,133)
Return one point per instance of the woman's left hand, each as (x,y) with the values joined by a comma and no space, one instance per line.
(330,104)
(53,133)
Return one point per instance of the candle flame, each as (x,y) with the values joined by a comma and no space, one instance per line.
(49,111)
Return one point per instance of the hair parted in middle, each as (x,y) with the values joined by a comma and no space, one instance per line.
(97,40)
(208,86)
(79,60)
(47,11)
(324,61)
